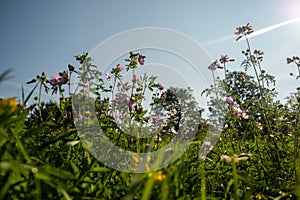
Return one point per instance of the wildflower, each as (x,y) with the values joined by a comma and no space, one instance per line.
(260,52)
(138,79)
(237,111)
(249,28)
(132,106)
(108,77)
(224,58)
(245,30)
(64,77)
(120,67)
(289,60)
(245,115)
(159,176)
(212,67)
(8,105)
(243,78)
(238,30)
(173,112)
(55,81)
(161,88)
(88,113)
(215,65)
(229,100)
(141,59)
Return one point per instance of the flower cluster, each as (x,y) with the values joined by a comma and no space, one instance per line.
(237,111)
(243,31)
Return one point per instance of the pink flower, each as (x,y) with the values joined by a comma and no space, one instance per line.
(224,58)
(141,59)
(65,77)
(229,100)
(132,106)
(238,30)
(249,28)
(215,65)
(245,115)
(161,88)
(119,68)
(260,52)
(55,80)
(108,77)
(138,79)
(237,111)
(243,30)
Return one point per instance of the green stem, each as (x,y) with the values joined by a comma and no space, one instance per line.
(39,101)
(263,106)
(215,87)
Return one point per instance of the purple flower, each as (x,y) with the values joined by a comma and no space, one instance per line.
(289,60)
(65,77)
(161,88)
(141,59)
(55,80)
(132,106)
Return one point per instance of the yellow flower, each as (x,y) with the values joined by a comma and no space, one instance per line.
(260,197)
(8,105)
(159,176)
(88,113)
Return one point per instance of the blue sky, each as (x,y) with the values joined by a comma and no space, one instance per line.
(39,36)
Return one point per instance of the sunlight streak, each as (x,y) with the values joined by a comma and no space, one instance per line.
(255,33)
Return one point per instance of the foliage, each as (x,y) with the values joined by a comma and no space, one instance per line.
(256,157)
